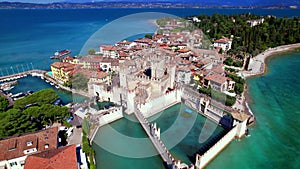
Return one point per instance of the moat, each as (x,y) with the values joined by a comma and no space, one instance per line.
(166,120)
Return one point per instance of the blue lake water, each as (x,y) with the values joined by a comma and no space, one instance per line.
(29,37)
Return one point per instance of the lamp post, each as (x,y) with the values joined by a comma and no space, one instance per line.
(17,69)
(23,68)
(7,71)
(12,70)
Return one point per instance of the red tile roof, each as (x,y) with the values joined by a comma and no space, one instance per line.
(61,158)
(143,40)
(109,48)
(63,65)
(218,69)
(14,147)
(216,78)
(222,40)
(68,58)
(91,73)
(184,50)
(123,43)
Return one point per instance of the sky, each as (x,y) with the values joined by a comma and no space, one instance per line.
(206,2)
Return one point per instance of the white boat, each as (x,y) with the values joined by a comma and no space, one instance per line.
(57,87)
(8,88)
(52,83)
(47,81)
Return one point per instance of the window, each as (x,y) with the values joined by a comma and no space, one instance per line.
(46,145)
(13,163)
(29,143)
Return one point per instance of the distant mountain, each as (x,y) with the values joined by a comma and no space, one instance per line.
(207,2)
(169,3)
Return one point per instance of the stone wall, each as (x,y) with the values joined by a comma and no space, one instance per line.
(112,115)
(202,161)
(236,132)
(161,103)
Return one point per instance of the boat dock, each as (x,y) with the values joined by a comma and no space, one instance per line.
(21,75)
(43,75)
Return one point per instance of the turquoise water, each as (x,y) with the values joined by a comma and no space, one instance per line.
(32,36)
(36,84)
(182,132)
(109,157)
(274,140)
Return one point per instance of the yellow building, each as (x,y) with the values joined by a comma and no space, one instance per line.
(71,60)
(62,71)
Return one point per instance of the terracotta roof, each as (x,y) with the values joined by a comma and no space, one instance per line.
(14,147)
(125,43)
(91,58)
(216,78)
(158,35)
(123,54)
(61,158)
(182,44)
(109,48)
(184,50)
(143,40)
(222,40)
(92,74)
(218,69)
(115,62)
(68,58)
(61,65)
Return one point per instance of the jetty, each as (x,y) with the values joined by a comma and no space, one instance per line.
(154,136)
(15,76)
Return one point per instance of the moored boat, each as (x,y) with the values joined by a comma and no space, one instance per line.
(59,54)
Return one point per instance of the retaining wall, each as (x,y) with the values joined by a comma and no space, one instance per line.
(202,161)
(161,103)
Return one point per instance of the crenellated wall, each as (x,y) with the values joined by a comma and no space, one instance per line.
(159,104)
(203,160)
(112,115)
(236,132)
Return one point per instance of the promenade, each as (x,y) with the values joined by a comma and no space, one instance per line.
(258,65)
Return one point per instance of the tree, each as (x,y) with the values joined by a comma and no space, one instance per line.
(148,35)
(238,88)
(46,96)
(238,64)
(228,61)
(79,82)
(92,51)
(240,57)
(221,51)
(4,103)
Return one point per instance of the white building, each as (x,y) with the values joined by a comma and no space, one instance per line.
(14,150)
(224,43)
(109,51)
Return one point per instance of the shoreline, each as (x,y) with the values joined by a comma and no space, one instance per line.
(258,64)
(153,21)
(260,68)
